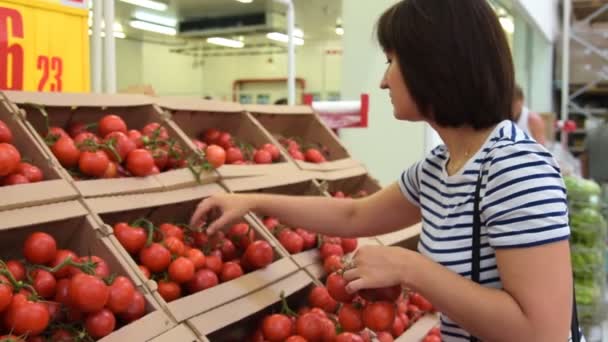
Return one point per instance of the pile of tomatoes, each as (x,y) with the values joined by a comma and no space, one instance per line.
(236,152)
(333,315)
(299,239)
(299,150)
(56,295)
(184,261)
(12,169)
(109,149)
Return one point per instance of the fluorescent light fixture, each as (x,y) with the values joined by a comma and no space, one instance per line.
(245,1)
(281,37)
(115,27)
(339,30)
(119,35)
(142,25)
(298,32)
(225,42)
(507,24)
(155,5)
(157,19)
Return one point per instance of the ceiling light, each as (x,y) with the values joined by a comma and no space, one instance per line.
(142,25)
(225,42)
(120,35)
(339,30)
(245,1)
(153,18)
(155,5)
(281,37)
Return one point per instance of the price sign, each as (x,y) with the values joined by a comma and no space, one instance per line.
(44,45)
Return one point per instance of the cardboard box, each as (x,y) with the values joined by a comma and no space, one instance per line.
(73,228)
(176,207)
(181,333)
(302,122)
(135,110)
(54,188)
(297,184)
(238,320)
(349,181)
(194,116)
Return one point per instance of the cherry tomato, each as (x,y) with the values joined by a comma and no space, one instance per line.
(384,336)
(197,257)
(328,249)
(225,140)
(203,279)
(133,239)
(431,338)
(62,335)
(262,157)
(76,127)
(6,296)
(389,294)
(398,327)
(62,291)
(310,239)
(88,293)
(102,270)
(259,254)
(136,309)
(350,318)
(201,146)
(66,152)
(172,230)
(82,139)
(175,245)
(271,223)
(332,264)
(100,324)
(31,172)
(154,129)
(230,271)
(348,337)
(241,234)
(309,326)
(40,248)
(135,136)
(60,257)
(296,338)
(292,242)
(336,287)
(214,263)
(314,156)
(277,327)
(93,164)
(319,298)
(44,283)
(296,154)
(122,291)
(6,136)
(111,123)
(233,155)
(140,162)
(9,159)
(349,245)
(379,316)
(211,136)
(155,257)
(121,143)
(30,318)
(17,269)
(14,179)
(215,155)
(169,290)
(273,150)
(144,271)
(421,302)
(181,270)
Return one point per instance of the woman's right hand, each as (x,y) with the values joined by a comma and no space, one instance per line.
(219,211)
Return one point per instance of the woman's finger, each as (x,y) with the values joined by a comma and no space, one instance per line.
(200,214)
(351,274)
(219,223)
(356,285)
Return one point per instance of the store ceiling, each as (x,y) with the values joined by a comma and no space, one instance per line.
(317,18)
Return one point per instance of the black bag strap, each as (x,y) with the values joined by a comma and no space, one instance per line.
(476,261)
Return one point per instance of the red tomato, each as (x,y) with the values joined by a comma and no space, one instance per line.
(140,162)
(86,138)
(102,270)
(225,140)
(93,164)
(328,249)
(62,291)
(121,143)
(349,245)
(31,172)
(350,318)
(133,239)
(122,291)
(431,338)
(271,223)
(9,159)
(310,327)
(44,283)
(181,270)
(201,146)
(66,152)
(169,229)
(169,290)
(30,318)
(154,129)
(136,309)
(55,312)
(76,128)
(384,336)
(336,287)
(435,331)
(233,155)
(200,239)
(241,234)
(296,154)
(348,337)
(273,150)
(228,250)
(14,179)
(421,302)
(155,257)
(230,271)
(405,320)
(398,327)
(161,158)
(292,242)
(388,294)
(214,263)
(144,271)
(16,268)
(203,279)
(175,245)
(211,136)
(262,157)
(277,327)
(296,338)
(135,136)
(328,332)
(259,254)
(310,239)
(88,293)
(111,123)
(40,248)
(61,335)
(60,257)
(6,136)
(319,298)
(215,155)
(6,296)
(314,156)
(197,257)
(379,316)
(332,264)
(100,324)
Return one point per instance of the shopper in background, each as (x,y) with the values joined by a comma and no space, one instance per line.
(593,162)
(449,64)
(529,122)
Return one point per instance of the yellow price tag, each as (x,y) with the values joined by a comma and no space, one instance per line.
(44,45)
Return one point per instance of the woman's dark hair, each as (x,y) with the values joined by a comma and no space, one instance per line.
(454,58)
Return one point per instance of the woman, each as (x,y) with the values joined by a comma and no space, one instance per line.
(449,64)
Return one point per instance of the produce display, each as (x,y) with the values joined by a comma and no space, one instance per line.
(13,167)
(306,151)
(333,315)
(588,244)
(54,294)
(184,261)
(234,151)
(110,149)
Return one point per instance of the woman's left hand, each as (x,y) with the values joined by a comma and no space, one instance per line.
(378,266)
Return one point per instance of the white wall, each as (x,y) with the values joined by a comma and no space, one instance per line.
(542,14)
(387,146)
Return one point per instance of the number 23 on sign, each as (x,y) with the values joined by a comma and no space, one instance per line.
(12,57)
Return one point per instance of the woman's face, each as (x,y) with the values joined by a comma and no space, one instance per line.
(403,104)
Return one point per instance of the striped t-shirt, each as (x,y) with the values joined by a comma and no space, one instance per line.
(523,204)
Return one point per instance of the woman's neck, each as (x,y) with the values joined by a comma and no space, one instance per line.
(462,143)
